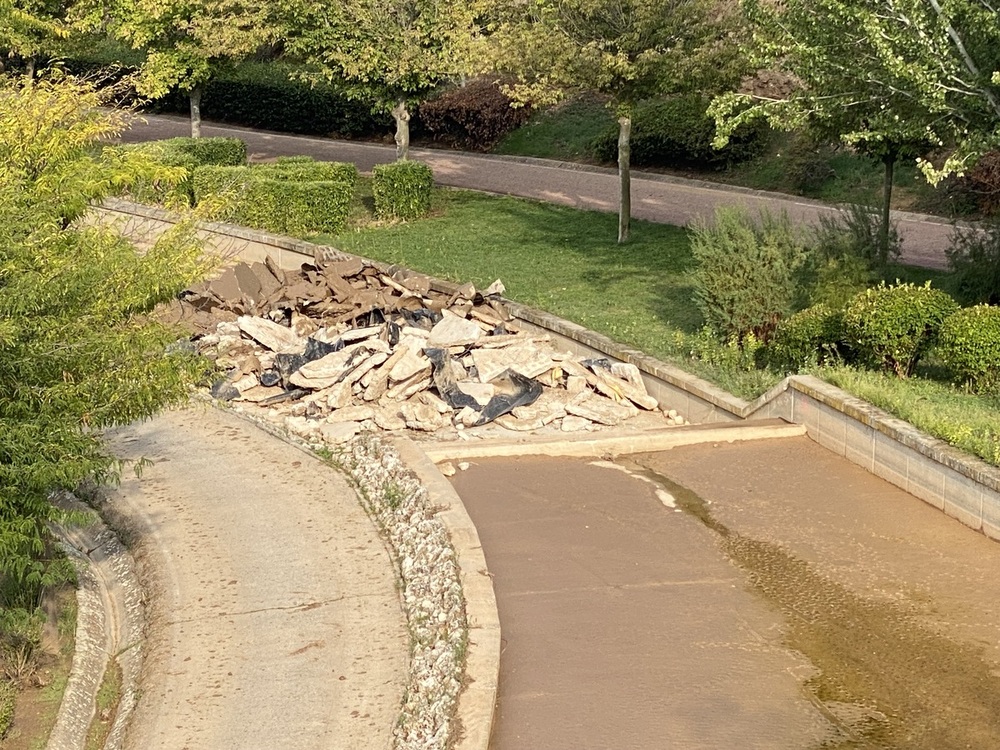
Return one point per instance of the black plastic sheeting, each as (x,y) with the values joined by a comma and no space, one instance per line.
(517,389)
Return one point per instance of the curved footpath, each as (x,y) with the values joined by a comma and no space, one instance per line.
(274,619)
(658,198)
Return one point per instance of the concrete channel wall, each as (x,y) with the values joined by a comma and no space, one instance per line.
(961,485)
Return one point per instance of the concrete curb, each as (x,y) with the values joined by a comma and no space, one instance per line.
(477,701)
(602,444)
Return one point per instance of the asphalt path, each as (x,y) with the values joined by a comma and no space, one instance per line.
(658,198)
(274,618)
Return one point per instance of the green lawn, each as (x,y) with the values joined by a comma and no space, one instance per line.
(567,262)
(561,260)
(564,132)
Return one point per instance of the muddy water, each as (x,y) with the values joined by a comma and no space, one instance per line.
(893,671)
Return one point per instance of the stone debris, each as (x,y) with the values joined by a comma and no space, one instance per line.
(343,346)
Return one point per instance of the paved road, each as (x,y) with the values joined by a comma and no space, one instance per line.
(275,620)
(798,600)
(657,198)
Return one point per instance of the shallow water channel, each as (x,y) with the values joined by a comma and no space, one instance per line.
(762,595)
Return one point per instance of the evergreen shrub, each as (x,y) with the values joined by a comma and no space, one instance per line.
(891,327)
(746,272)
(402,189)
(807,338)
(292,198)
(473,117)
(969,345)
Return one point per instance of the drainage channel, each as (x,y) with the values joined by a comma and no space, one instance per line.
(759,595)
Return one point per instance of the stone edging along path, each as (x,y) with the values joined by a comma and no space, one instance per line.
(961,485)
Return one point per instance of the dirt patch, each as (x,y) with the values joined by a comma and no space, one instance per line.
(38,703)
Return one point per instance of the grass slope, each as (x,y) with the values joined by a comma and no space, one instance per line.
(567,262)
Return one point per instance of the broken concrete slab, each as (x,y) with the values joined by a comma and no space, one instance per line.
(276,337)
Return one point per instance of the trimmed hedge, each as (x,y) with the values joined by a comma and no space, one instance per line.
(189,153)
(266,95)
(473,117)
(969,345)
(891,327)
(402,189)
(676,132)
(286,198)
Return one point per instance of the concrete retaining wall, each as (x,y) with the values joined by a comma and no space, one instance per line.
(962,486)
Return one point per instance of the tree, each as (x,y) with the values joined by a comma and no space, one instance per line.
(894,78)
(389,52)
(185,41)
(29,28)
(77,354)
(625,50)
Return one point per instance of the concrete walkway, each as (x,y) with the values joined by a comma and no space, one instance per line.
(274,616)
(657,198)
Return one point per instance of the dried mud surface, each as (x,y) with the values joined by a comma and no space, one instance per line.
(892,602)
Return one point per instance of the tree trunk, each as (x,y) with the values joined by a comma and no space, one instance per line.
(402,115)
(625,177)
(889,160)
(195,98)
(29,69)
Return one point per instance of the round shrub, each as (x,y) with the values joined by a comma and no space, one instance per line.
(474,117)
(969,345)
(676,132)
(807,338)
(744,282)
(892,326)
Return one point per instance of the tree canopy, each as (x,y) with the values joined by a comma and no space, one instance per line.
(626,50)
(77,354)
(392,53)
(880,72)
(185,41)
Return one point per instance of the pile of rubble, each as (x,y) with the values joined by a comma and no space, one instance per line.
(342,346)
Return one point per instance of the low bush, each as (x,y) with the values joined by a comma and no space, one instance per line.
(809,337)
(969,346)
(745,277)
(974,257)
(474,117)
(891,327)
(854,233)
(979,189)
(304,170)
(8,698)
(402,189)
(189,153)
(676,132)
(296,198)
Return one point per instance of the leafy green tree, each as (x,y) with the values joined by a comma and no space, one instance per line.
(29,28)
(77,354)
(625,50)
(392,53)
(893,78)
(185,41)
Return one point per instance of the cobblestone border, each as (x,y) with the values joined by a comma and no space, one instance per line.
(110,622)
